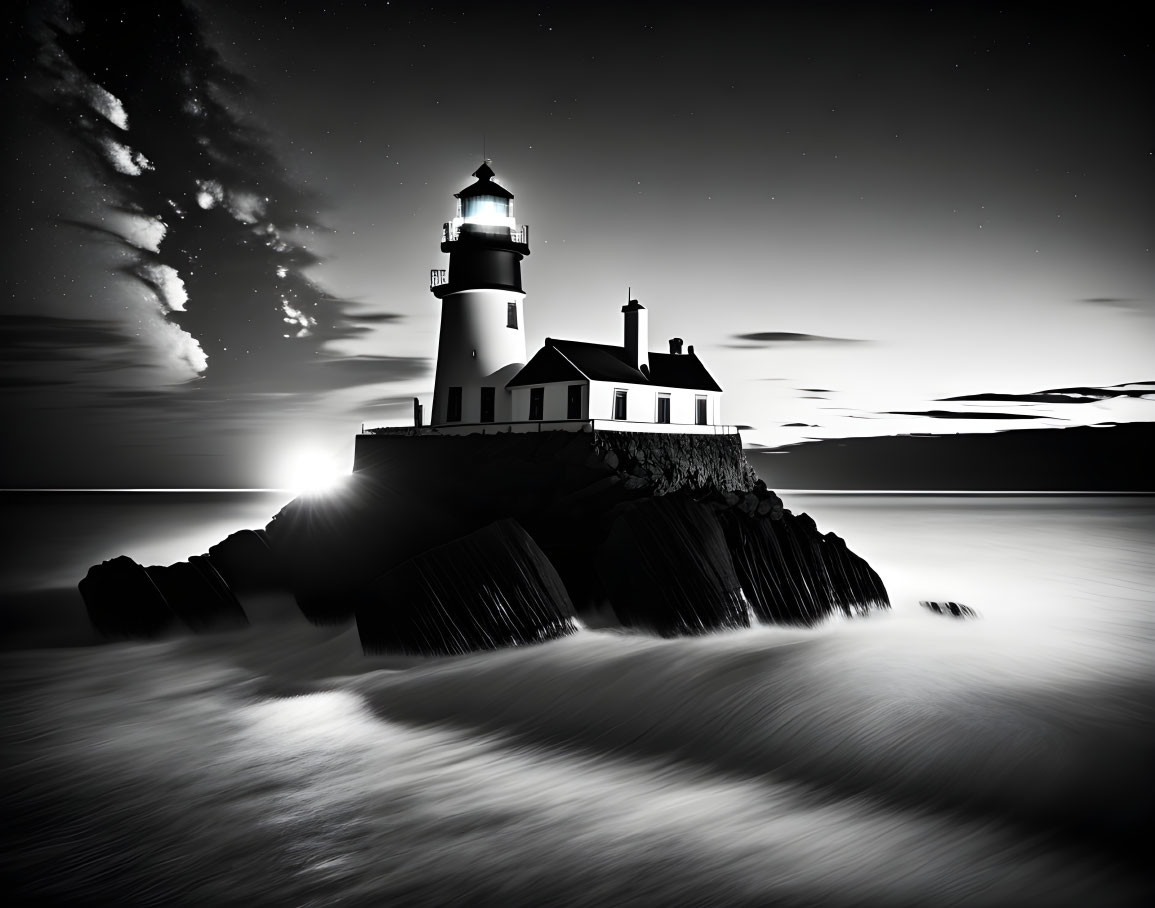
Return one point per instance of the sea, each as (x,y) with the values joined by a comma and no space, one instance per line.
(904,758)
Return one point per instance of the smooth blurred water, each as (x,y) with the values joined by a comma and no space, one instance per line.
(902,759)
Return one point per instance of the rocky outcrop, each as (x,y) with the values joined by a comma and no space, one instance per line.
(245,562)
(951,609)
(666,568)
(123,601)
(792,574)
(491,588)
(198,595)
(442,544)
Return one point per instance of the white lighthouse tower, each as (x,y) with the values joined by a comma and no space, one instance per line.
(482,341)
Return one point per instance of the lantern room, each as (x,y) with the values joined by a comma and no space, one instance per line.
(485,203)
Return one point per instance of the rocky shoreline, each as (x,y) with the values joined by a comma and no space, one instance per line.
(452,544)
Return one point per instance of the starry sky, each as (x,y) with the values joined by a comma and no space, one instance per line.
(220,216)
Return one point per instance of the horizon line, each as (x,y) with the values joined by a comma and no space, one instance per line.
(779,490)
(110,489)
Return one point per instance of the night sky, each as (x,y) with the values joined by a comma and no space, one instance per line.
(220,217)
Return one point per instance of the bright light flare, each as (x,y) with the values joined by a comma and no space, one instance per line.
(311,471)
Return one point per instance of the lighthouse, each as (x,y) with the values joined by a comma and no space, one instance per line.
(481,345)
(484,381)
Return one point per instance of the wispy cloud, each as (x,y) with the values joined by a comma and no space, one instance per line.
(1141,305)
(39,337)
(351,371)
(396,402)
(1076,395)
(790,337)
(1109,300)
(953,414)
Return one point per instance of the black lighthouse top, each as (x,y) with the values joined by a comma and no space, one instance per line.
(484,243)
(484,185)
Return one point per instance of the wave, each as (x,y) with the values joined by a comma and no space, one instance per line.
(861,763)
(921,726)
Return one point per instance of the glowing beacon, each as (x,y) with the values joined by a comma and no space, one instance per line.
(482,340)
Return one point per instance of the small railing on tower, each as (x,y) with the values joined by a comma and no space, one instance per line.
(520,234)
(438,276)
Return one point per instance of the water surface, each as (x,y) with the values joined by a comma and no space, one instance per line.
(902,759)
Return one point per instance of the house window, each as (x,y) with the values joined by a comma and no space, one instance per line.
(511,315)
(487,404)
(700,410)
(663,408)
(573,402)
(453,409)
(536,402)
(619,404)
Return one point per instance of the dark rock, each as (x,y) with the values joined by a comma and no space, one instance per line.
(246,563)
(792,574)
(123,601)
(198,595)
(950,609)
(666,568)
(489,589)
(665,531)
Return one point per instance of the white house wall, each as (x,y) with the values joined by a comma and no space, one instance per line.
(642,403)
(598,402)
(556,404)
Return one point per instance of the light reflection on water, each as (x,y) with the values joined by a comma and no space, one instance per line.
(902,759)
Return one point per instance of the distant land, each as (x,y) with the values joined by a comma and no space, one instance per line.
(1083,459)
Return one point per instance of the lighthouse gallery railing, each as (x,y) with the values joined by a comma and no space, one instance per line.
(516,234)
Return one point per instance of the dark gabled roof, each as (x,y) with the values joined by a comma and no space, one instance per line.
(564,360)
(598,362)
(484,185)
(547,365)
(681,370)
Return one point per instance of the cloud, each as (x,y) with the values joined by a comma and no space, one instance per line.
(789,337)
(376,318)
(1109,300)
(1126,303)
(28,382)
(397,401)
(1042,397)
(365,324)
(1078,395)
(353,371)
(951,414)
(206,218)
(47,338)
